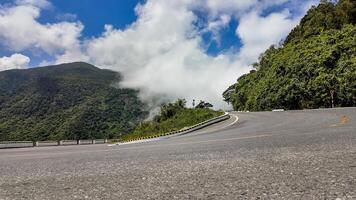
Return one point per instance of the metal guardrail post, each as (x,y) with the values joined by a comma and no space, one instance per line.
(35,143)
(78,142)
(92,141)
(60,142)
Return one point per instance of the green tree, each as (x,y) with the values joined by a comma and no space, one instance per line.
(315,67)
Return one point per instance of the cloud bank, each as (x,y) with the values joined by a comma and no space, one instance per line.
(163,53)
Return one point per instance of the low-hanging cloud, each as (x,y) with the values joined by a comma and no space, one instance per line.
(15,61)
(163,52)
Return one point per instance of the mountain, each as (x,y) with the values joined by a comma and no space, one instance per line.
(314,68)
(68,101)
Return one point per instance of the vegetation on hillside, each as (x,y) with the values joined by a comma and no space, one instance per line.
(172,117)
(315,67)
(69,101)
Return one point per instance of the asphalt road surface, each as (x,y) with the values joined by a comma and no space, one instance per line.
(266,155)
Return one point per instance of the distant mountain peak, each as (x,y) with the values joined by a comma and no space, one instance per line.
(66,101)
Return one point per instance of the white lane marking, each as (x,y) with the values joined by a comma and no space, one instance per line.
(236,119)
(140,141)
(136,142)
(220,128)
(159,138)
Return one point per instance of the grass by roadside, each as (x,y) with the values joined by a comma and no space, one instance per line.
(173,117)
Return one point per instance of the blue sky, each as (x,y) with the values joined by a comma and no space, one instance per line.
(94,14)
(156,44)
(119,13)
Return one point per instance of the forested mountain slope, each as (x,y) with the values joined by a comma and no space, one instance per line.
(68,101)
(315,67)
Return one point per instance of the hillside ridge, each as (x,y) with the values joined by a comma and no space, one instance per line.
(67,101)
(314,68)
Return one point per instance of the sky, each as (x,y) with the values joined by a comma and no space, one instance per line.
(191,49)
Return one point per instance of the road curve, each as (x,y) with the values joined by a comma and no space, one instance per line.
(307,154)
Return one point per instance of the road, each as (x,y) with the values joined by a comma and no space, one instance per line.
(264,155)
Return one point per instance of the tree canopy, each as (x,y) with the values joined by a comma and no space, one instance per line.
(315,67)
(69,101)
(172,117)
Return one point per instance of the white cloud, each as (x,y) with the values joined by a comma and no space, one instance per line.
(236,7)
(161,53)
(67,17)
(215,26)
(15,61)
(258,33)
(20,30)
(36,3)
(231,7)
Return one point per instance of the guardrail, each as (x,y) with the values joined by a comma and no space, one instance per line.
(15,144)
(22,144)
(187,130)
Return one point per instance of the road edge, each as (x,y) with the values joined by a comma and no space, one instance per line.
(184,131)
